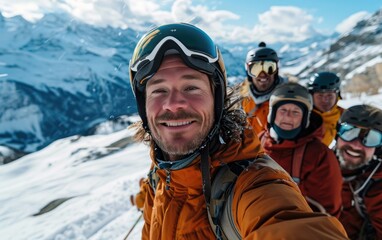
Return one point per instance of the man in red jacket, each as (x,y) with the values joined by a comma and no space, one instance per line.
(359,150)
(293,140)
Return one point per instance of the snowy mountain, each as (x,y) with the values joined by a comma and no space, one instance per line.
(75,188)
(60,77)
(355,56)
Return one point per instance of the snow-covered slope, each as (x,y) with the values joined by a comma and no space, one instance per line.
(92,177)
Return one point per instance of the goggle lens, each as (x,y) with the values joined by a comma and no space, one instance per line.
(190,42)
(255,68)
(368,137)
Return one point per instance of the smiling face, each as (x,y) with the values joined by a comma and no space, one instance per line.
(264,81)
(180,107)
(288,116)
(353,154)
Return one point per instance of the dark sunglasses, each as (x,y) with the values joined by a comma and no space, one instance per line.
(368,137)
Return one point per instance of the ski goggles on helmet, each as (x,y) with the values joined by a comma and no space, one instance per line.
(368,137)
(256,67)
(195,47)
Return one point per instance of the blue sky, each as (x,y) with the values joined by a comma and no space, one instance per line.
(327,13)
(229,20)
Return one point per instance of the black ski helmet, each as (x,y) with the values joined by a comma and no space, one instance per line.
(261,53)
(291,93)
(324,81)
(363,116)
(194,46)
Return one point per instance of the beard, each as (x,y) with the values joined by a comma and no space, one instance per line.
(263,86)
(345,164)
(179,151)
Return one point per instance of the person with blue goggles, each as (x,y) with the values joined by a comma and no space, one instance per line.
(359,151)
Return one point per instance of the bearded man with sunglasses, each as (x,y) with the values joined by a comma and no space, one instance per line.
(194,128)
(261,66)
(359,150)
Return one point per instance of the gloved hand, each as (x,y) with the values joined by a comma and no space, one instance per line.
(139,199)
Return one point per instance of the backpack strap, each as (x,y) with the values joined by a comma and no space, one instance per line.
(153,178)
(360,193)
(298,156)
(220,209)
(367,230)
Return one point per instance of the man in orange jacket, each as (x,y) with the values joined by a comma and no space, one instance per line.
(262,70)
(359,150)
(325,89)
(193,127)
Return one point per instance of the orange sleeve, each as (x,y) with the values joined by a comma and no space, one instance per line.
(268,205)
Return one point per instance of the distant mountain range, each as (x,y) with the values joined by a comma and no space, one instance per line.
(60,77)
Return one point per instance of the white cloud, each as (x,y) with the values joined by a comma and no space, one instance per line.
(213,20)
(350,22)
(31,11)
(279,23)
